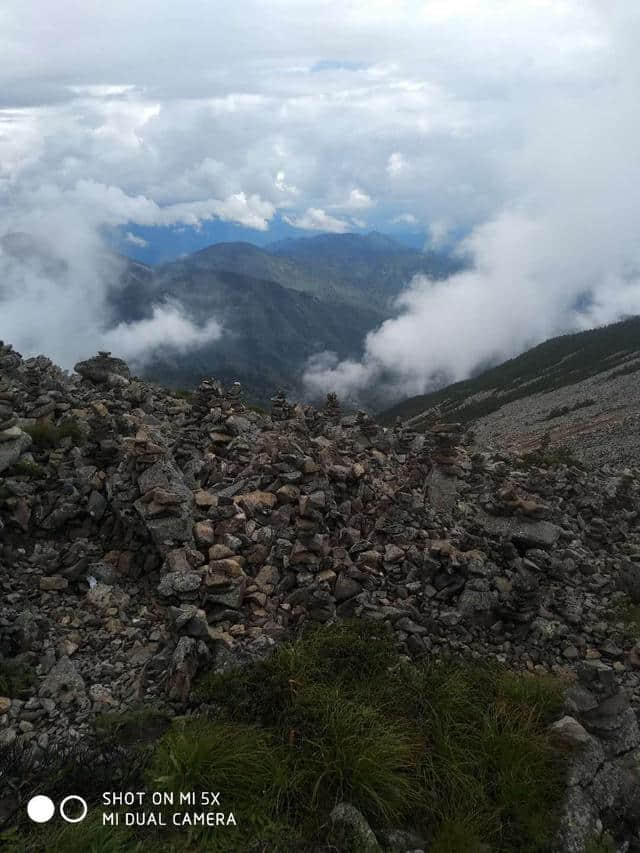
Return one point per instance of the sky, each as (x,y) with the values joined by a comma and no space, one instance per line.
(512,122)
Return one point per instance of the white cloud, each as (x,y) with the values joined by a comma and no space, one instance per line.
(357,200)
(167,329)
(404,219)
(284,187)
(135,241)
(100,91)
(315,219)
(562,254)
(438,232)
(395,164)
(55,288)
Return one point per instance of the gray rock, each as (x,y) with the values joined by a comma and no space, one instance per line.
(64,683)
(104,369)
(179,583)
(11,450)
(346,587)
(352,828)
(183,668)
(532,534)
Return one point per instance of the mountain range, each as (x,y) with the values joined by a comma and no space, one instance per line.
(277,305)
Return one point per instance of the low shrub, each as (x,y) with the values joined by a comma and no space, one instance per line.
(16,678)
(550,456)
(46,435)
(183,394)
(142,726)
(28,468)
(628,615)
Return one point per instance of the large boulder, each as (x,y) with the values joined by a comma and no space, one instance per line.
(13,443)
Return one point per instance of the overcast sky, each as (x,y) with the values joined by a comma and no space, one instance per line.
(514,120)
(331,112)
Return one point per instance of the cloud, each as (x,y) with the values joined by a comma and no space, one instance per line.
(56,286)
(395,164)
(438,232)
(561,255)
(315,219)
(114,207)
(357,200)
(284,187)
(404,219)
(135,241)
(167,329)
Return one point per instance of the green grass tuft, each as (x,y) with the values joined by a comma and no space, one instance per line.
(628,614)
(183,394)
(550,456)
(456,751)
(243,762)
(16,679)
(46,435)
(603,844)
(465,745)
(28,468)
(142,726)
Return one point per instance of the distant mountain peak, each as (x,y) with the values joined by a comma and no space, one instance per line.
(372,243)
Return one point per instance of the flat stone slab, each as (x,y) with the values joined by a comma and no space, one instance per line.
(534,534)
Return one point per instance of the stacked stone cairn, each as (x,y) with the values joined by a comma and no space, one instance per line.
(281,410)
(332,410)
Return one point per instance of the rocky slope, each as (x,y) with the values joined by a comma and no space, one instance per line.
(144,537)
(582,389)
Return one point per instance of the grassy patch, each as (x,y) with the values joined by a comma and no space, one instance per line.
(550,456)
(89,836)
(28,468)
(46,435)
(88,770)
(142,726)
(603,844)
(16,679)
(628,614)
(456,751)
(463,744)
(559,411)
(183,394)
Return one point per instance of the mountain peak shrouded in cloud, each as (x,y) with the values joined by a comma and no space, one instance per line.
(58,299)
(511,123)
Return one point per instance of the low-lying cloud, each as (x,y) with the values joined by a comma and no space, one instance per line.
(563,254)
(56,284)
(168,328)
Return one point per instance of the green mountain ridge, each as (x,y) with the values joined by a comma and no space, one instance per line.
(277,306)
(555,363)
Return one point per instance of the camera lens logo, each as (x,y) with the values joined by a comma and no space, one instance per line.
(41,809)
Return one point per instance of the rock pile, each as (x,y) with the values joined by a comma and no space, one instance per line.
(281,409)
(13,441)
(103,369)
(161,533)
